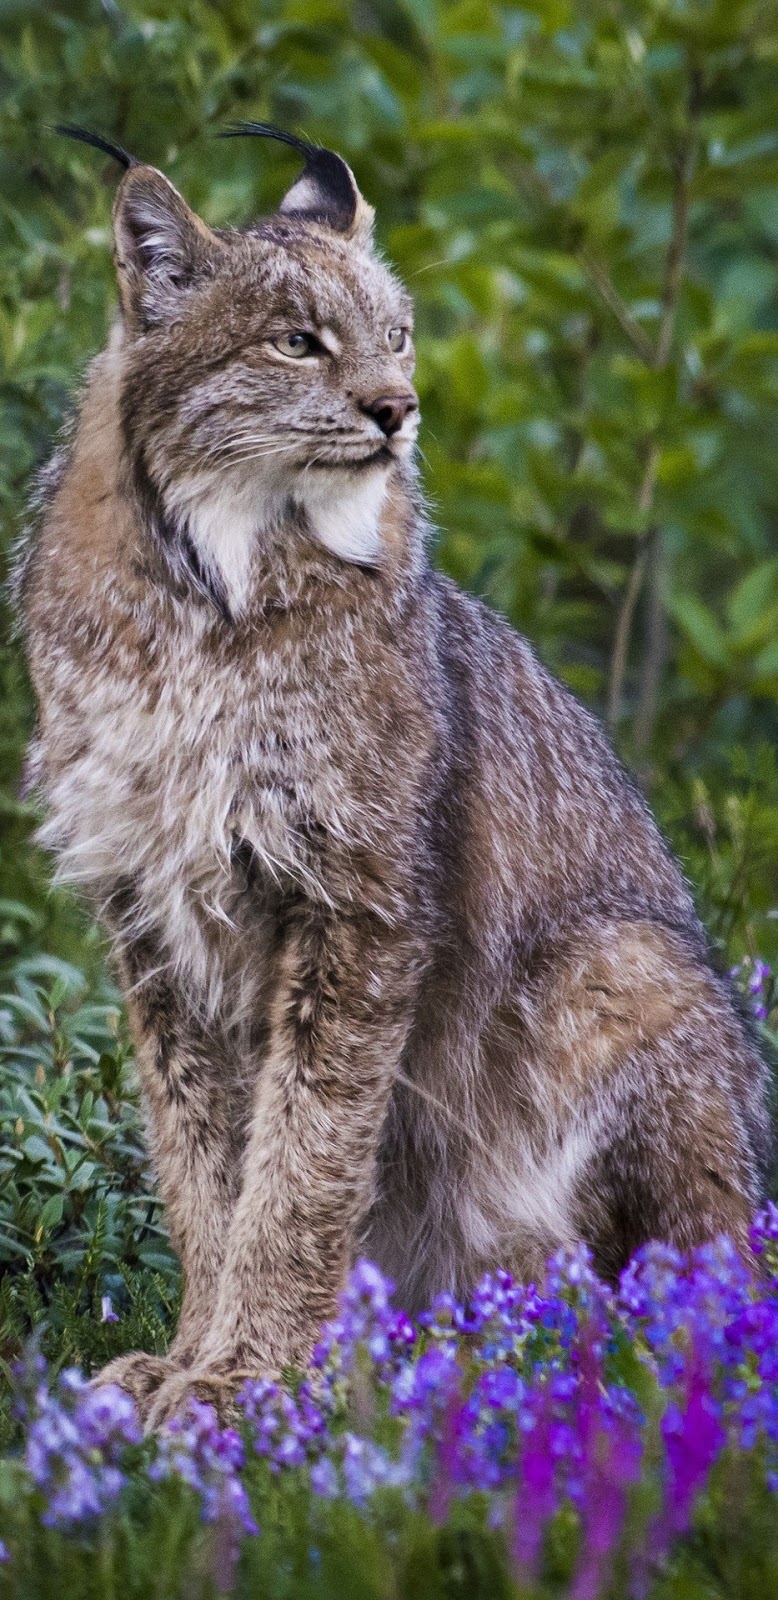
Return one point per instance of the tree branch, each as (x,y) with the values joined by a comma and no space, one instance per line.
(629,600)
(655,645)
(608,292)
(677,248)
(684,175)
(658,356)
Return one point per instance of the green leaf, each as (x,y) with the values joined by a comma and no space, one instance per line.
(766,663)
(753,595)
(701,628)
(36,1149)
(51,1214)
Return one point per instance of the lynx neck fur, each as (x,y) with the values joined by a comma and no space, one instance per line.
(409,968)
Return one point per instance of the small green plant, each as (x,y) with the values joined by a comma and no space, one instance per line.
(82,1237)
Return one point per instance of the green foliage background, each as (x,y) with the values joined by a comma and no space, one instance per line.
(583,198)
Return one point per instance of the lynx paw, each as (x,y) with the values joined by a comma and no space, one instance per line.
(139,1374)
(214,1387)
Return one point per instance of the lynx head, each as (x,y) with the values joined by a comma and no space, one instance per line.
(265,371)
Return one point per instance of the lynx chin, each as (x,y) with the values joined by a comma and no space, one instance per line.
(409,969)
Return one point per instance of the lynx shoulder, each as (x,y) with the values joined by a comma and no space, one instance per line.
(410,969)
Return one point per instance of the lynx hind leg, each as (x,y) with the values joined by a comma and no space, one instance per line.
(653,1098)
(677,1171)
(650,1039)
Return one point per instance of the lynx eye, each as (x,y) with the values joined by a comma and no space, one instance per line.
(397,339)
(297,345)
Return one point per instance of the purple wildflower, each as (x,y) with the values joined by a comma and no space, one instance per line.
(420,1395)
(366,1322)
(611,1450)
(107,1313)
(208,1458)
(693,1436)
(764,1238)
(445,1472)
(287,1430)
(510,1394)
(324,1478)
(366,1467)
(75,1442)
(487,1430)
(401,1331)
(754,978)
(535,1500)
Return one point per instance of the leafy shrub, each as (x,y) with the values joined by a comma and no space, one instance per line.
(79,1219)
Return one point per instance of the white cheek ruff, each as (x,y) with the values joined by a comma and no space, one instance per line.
(343,511)
(226,518)
(223,518)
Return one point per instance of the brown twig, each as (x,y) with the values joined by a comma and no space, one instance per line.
(629,600)
(676,253)
(657,358)
(608,292)
(655,645)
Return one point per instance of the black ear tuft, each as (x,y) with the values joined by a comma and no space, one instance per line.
(97,142)
(325,191)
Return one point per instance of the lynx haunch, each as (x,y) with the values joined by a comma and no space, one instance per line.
(409,968)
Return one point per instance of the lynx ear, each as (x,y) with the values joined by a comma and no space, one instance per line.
(326,190)
(161,246)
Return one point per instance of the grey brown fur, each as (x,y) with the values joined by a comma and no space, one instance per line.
(409,969)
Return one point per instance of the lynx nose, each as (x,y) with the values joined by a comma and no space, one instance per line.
(390,411)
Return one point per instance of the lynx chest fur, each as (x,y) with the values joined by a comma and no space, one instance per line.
(221,768)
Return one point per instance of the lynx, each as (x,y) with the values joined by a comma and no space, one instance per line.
(409,968)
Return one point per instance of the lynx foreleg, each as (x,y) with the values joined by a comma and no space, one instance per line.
(193,1142)
(197,1172)
(196,1164)
(339,1020)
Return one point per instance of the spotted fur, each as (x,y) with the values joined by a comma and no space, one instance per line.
(408,965)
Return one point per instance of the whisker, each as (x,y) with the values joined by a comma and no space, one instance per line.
(312,462)
(276,437)
(444,262)
(227,446)
(246,453)
(231,445)
(440,1105)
